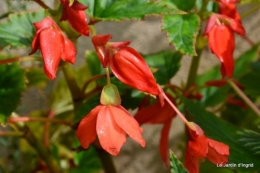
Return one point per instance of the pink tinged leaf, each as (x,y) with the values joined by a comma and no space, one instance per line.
(191,162)
(111,136)
(51,46)
(86,132)
(218,152)
(69,52)
(199,146)
(130,68)
(125,121)
(164,148)
(99,42)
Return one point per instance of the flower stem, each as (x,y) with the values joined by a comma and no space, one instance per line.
(106,161)
(39,119)
(75,90)
(20,59)
(244,97)
(176,109)
(92,79)
(10,133)
(249,12)
(108,76)
(193,69)
(42,4)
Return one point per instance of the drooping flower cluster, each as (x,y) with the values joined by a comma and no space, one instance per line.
(200,147)
(220,31)
(126,64)
(53,45)
(110,121)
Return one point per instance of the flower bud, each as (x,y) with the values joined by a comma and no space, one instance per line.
(110,95)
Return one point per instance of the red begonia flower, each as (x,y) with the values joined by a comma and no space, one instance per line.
(221,42)
(76,16)
(237,102)
(111,122)
(131,69)
(157,114)
(53,46)
(201,147)
(229,9)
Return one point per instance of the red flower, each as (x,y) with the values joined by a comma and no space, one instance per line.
(221,43)
(200,147)
(157,114)
(229,9)
(126,64)
(53,46)
(110,121)
(75,15)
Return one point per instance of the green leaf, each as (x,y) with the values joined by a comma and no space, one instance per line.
(182,31)
(176,165)
(251,140)
(126,9)
(166,63)
(12,83)
(188,5)
(18,30)
(87,161)
(94,63)
(219,130)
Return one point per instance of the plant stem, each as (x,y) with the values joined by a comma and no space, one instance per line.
(244,97)
(176,109)
(43,152)
(108,76)
(249,12)
(75,91)
(193,69)
(10,133)
(39,119)
(42,4)
(106,160)
(20,59)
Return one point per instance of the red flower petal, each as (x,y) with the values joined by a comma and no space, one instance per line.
(194,130)
(78,6)
(99,42)
(110,135)
(199,146)
(69,52)
(164,148)
(130,68)
(191,162)
(218,152)
(51,42)
(221,43)
(127,123)
(86,132)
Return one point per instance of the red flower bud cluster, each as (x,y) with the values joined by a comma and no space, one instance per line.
(53,45)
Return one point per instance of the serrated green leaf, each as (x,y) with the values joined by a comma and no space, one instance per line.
(182,31)
(126,9)
(175,165)
(251,140)
(166,63)
(188,5)
(18,30)
(12,83)
(222,131)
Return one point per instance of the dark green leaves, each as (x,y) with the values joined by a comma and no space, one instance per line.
(185,6)
(222,131)
(18,30)
(12,83)
(251,140)
(176,165)
(166,64)
(182,31)
(126,9)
